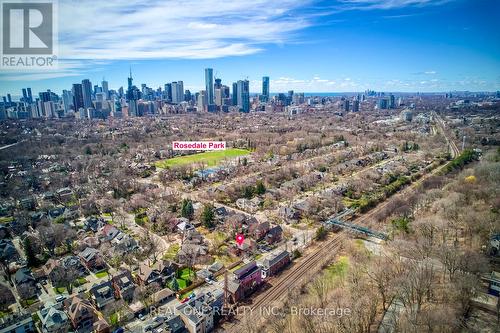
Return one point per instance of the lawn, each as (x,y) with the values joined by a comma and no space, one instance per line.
(80,281)
(171,252)
(60,290)
(338,269)
(6,219)
(101,274)
(186,274)
(209,158)
(180,282)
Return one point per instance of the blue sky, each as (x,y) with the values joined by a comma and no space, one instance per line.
(304,45)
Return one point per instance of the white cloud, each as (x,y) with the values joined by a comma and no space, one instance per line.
(314,84)
(387,4)
(174,29)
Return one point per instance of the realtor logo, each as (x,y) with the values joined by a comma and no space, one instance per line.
(28,34)
(27,28)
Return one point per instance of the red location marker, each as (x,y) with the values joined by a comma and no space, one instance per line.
(240,239)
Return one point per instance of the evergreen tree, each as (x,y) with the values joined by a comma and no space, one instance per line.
(174,285)
(30,254)
(208,216)
(187,210)
(260,188)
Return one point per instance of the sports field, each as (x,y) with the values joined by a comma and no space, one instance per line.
(209,158)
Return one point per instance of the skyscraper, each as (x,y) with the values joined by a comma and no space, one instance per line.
(25,96)
(105,89)
(392,102)
(77,96)
(30,96)
(201,102)
(244,95)
(177,92)
(235,94)
(209,85)
(355,105)
(168,92)
(265,88)
(87,93)
(67,98)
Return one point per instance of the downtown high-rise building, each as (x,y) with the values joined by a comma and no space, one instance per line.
(67,98)
(177,92)
(209,85)
(243,95)
(105,88)
(168,92)
(87,93)
(30,96)
(392,102)
(235,94)
(265,89)
(201,102)
(77,92)
(355,105)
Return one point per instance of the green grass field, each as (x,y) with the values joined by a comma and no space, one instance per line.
(101,274)
(209,158)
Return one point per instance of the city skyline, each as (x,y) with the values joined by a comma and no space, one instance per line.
(309,46)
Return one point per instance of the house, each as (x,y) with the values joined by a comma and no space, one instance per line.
(493,281)
(4,232)
(175,324)
(54,320)
(8,251)
(124,244)
(246,280)
(160,272)
(89,242)
(220,213)
(274,235)
(102,294)
(92,259)
(28,203)
(73,263)
(275,263)
(192,249)
(288,214)
(247,247)
(192,253)
(215,267)
(64,193)
(259,231)
(108,233)
(17,323)
(163,296)
(183,226)
(55,212)
(204,274)
(101,326)
(81,313)
(123,285)
(25,283)
(248,205)
(201,313)
(94,224)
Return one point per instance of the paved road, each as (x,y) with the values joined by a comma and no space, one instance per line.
(11,145)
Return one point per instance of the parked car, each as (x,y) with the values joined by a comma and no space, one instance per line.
(60,298)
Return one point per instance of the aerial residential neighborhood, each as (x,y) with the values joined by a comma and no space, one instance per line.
(300,166)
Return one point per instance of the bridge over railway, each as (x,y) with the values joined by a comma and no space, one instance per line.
(337,221)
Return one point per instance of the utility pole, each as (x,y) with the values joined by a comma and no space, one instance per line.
(463,143)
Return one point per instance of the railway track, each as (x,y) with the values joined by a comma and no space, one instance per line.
(289,280)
